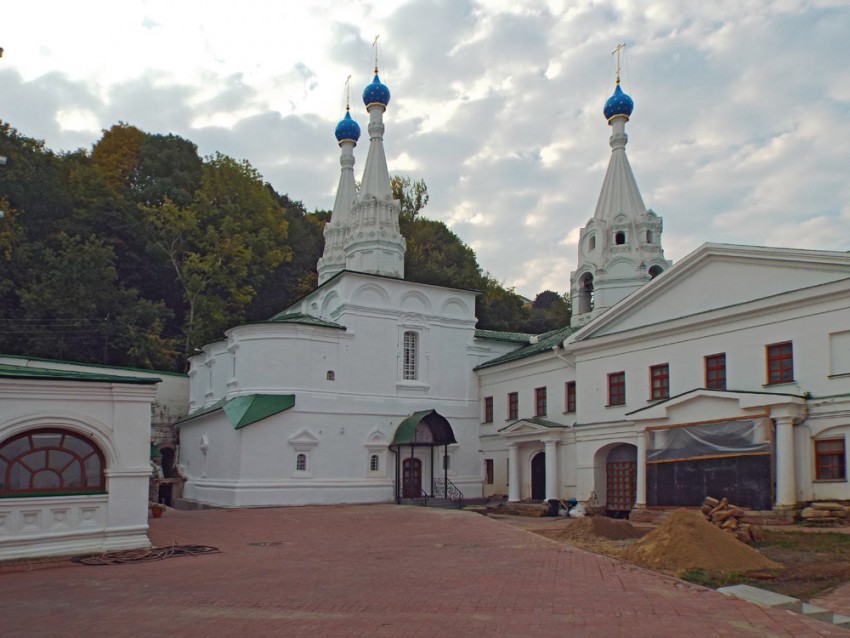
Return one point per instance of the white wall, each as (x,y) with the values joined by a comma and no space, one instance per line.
(117,417)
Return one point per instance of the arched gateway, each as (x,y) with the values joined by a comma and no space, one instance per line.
(416,474)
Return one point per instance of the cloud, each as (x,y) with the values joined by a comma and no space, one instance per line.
(735,137)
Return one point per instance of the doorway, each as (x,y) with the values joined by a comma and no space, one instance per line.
(411,478)
(538,477)
(621,474)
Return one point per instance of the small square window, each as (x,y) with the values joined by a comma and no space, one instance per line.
(715,371)
(780,363)
(829,460)
(301,463)
(659,378)
(570,396)
(617,388)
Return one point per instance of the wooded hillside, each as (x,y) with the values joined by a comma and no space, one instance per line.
(140,251)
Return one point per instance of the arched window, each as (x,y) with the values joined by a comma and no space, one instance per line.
(374,463)
(409,364)
(655,271)
(591,243)
(649,237)
(301,462)
(585,294)
(330,375)
(50,462)
(620,237)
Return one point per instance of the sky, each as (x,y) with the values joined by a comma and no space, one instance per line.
(736,135)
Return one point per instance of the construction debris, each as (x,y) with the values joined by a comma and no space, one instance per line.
(685,539)
(728,518)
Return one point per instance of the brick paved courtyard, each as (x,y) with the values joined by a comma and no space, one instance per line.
(378,570)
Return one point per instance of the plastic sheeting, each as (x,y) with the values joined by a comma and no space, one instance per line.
(724,438)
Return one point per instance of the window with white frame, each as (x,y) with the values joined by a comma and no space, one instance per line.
(410,356)
(374,463)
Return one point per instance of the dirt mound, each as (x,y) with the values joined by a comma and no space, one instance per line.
(600,527)
(685,539)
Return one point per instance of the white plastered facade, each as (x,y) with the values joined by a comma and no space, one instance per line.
(116,417)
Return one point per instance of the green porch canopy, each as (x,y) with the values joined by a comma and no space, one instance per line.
(424,428)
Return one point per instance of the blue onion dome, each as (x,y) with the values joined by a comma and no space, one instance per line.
(376,93)
(347,129)
(618,104)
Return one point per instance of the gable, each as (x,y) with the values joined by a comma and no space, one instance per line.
(717,276)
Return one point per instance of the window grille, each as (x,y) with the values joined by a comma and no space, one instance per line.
(409,366)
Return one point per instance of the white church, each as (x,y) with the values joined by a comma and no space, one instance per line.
(727,373)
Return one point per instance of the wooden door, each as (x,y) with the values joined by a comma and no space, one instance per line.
(411,480)
(622,485)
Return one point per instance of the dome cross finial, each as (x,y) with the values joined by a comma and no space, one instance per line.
(375,46)
(619,48)
(348,93)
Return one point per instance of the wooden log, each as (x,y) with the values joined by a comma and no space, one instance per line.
(729,523)
(722,504)
(711,502)
(719,517)
(743,535)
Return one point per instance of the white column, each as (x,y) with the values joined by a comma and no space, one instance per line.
(640,479)
(786,485)
(551,469)
(513,473)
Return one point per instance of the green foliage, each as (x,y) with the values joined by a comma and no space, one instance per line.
(74,308)
(139,251)
(701,577)
(411,194)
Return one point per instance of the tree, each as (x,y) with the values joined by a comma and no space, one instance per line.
(221,247)
(168,166)
(549,311)
(117,153)
(411,194)
(74,307)
(500,308)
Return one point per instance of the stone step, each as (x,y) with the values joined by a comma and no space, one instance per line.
(841,620)
(762,597)
(188,504)
(818,613)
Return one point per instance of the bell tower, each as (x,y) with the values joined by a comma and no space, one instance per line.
(619,249)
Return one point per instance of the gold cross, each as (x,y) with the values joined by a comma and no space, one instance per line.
(617,51)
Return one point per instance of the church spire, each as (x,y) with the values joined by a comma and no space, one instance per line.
(373,242)
(620,247)
(333,258)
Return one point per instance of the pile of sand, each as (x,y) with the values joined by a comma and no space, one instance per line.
(598,527)
(685,539)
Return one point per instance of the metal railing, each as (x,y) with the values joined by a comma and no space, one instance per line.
(444,488)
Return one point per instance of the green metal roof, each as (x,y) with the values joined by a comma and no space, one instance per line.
(441,431)
(246,409)
(251,408)
(25,372)
(91,365)
(536,421)
(497,335)
(545,342)
(301,318)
